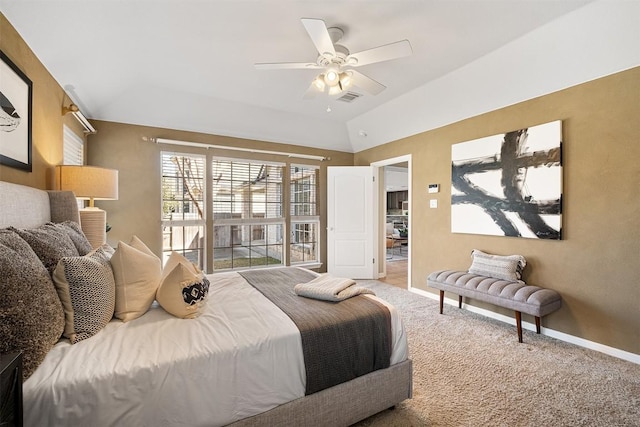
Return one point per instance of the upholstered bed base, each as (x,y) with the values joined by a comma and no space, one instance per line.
(26,207)
(344,404)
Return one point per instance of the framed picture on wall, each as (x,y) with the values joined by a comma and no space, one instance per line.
(509,184)
(15,115)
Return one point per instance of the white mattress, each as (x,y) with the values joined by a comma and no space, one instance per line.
(241,357)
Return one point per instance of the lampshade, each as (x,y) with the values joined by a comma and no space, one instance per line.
(88,182)
(92,183)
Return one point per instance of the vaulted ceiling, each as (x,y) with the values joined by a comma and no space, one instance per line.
(189,65)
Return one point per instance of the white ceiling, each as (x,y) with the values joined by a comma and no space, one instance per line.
(187,64)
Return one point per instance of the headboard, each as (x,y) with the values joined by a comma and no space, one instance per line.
(27,207)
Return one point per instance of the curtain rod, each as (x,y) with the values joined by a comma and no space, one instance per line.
(226,147)
(88,128)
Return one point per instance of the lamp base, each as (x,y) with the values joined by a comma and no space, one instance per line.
(94,225)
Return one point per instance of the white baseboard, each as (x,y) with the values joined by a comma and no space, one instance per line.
(611,351)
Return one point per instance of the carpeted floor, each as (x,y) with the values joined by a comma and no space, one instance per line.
(470,370)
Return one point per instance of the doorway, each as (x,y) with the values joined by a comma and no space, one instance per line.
(394,217)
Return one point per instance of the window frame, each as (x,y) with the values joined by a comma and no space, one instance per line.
(251,221)
(298,219)
(184,224)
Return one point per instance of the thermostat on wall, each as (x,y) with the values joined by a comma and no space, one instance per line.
(434,188)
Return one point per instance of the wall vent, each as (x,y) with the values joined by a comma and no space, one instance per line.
(349,97)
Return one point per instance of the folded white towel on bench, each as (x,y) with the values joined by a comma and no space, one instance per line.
(330,288)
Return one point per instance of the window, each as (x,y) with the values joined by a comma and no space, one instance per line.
(305,221)
(248,215)
(250,218)
(72,147)
(183,207)
(72,151)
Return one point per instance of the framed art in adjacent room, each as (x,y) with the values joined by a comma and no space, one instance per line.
(15,115)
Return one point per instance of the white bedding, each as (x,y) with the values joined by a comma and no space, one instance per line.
(241,357)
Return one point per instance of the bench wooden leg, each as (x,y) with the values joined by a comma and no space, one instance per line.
(519,325)
(459,301)
(537,325)
(441,300)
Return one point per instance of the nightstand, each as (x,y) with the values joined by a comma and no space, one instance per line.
(11,390)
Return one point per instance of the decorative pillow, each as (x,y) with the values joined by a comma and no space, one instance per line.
(76,235)
(137,272)
(507,267)
(49,242)
(87,290)
(108,250)
(183,289)
(31,316)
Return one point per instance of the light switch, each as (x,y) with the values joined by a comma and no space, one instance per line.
(433,203)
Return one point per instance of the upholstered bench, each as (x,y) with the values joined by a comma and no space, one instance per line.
(515,295)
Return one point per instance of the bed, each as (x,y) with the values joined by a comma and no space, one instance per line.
(239,363)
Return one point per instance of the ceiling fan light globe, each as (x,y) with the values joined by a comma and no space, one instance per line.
(346,80)
(318,82)
(332,77)
(334,90)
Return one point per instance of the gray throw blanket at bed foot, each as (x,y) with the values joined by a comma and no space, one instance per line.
(340,340)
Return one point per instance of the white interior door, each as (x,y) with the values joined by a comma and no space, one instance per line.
(351,231)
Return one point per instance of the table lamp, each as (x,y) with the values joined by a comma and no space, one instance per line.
(90,183)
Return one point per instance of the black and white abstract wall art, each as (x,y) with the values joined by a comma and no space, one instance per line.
(15,116)
(509,184)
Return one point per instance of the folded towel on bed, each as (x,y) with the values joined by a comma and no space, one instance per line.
(330,288)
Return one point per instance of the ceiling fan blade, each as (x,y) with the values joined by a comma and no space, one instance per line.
(319,35)
(380,53)
(286,65)
(367,83)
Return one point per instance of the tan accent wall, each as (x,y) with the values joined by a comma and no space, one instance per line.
(596,267)
(138,209)
(47,120)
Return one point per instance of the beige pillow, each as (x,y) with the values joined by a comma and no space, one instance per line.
(137,272)
(505,267)
(86,288)
(183,289)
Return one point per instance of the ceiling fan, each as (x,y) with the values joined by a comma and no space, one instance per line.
(337,63)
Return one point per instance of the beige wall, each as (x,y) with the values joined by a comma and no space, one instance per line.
(47,102)
(596,267)
(138,209)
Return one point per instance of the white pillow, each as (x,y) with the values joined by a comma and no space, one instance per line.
(137,271)
(183,289)
(86,288)
(506,267)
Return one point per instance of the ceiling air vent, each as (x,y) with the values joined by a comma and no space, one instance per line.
(349,97)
